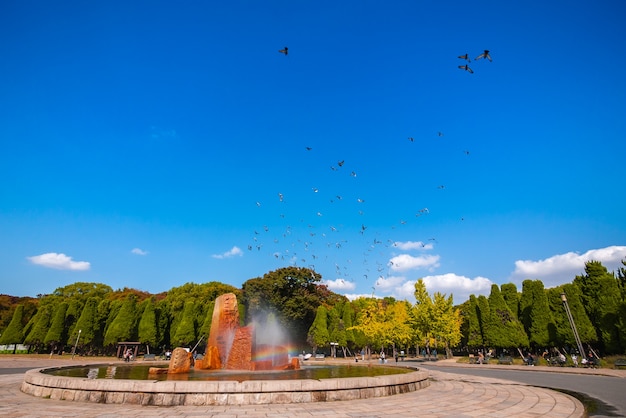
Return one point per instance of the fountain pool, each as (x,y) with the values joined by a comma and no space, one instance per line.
(118,383)
(141,372)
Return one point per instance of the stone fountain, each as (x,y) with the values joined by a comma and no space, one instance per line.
(229,347)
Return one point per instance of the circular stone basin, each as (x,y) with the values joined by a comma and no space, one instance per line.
(265,388)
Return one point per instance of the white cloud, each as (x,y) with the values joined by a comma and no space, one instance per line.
(405,262)
(562,268)
(460,287)
(139,251)
(235,251)
(339,285)
(412,245)
(389,284)
(58,261)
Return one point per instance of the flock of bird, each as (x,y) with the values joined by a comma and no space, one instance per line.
(484,55)
(307,240)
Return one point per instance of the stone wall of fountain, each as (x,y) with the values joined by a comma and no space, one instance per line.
(249,392)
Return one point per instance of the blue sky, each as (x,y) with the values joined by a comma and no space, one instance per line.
(151,144)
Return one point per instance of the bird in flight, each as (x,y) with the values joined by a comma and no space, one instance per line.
(484,55)
(340,163)
(309,148)
(465,57)
(466,68)
(285,51)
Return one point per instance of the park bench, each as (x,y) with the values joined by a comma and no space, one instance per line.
(474,359)
(593,363)
(505,360)
(620,362)
(149,357)
(320,357)
(556,361)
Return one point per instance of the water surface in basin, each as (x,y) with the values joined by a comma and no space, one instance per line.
(140,372)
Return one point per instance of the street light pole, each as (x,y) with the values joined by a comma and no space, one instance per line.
(76,343)
(573,325)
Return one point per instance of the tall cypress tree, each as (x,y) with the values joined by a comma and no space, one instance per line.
(601,297)
(14,333)
(336,328)
(507,331)
(564,333)
(205,329)
(38,332)
(148,333)
(186,329)
(123,327)
(88,324)
(57,333)
(536,314)
(474,334)
(511,297)
(483,311)
(347,316)
(318,332)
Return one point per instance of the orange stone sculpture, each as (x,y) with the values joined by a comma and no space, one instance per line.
(233,347)
(181,361)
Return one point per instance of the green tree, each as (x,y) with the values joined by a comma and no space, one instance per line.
(123,327)
(446,325)
(74,308)
(318,335)
(87,324)
(336,329)
(536,314)
(601,297)
(202,295)
(397,326)
(186,330)
(511,297)
(9,303)
(347,316)
(564,333)
(205,329)
(148,333)
(506,330)
(474,334)
(422,314)
(14,333)
(484,320)
(57,333)
(292,294)
(41,324)
(370,322)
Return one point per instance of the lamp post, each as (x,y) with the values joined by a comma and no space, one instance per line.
(573,325)
(76,343)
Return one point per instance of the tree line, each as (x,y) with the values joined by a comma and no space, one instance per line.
(314,317)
